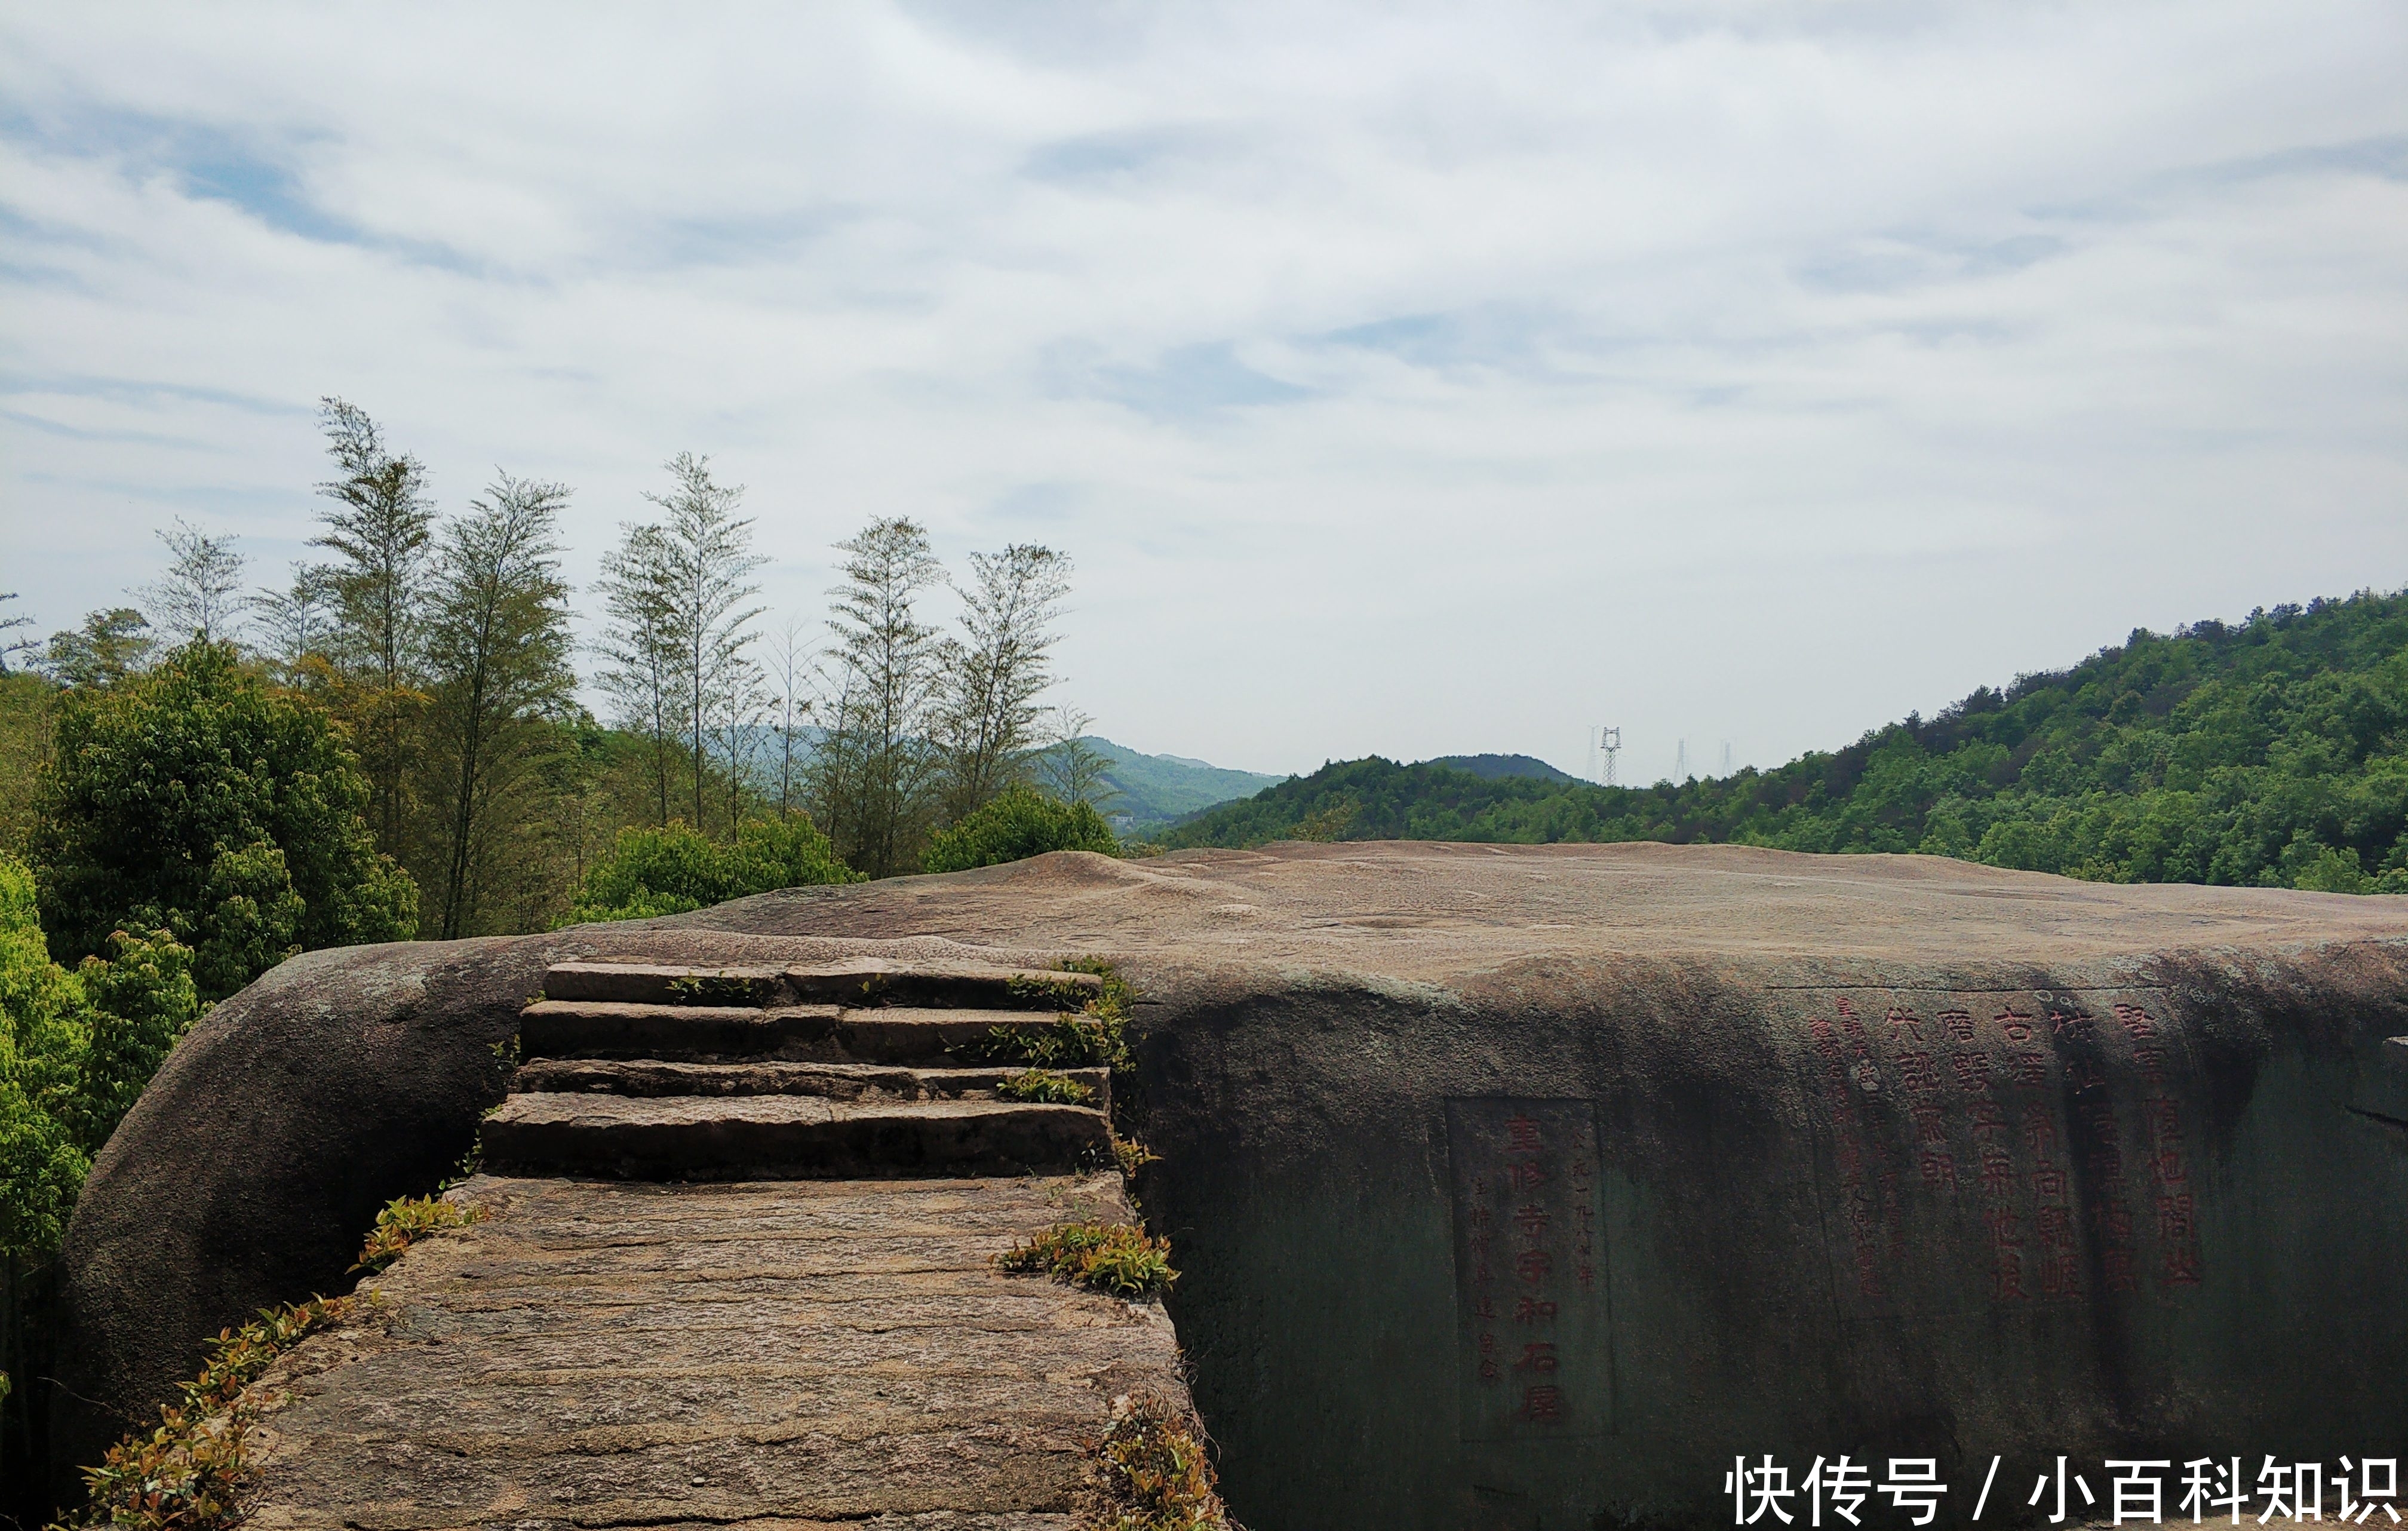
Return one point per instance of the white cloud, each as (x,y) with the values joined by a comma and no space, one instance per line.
(1409,382)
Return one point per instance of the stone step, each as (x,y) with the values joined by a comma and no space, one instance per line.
(619,1029)
(654,1076)
(872,980)
(856,981)
(658,983)
(815,1034)
(786,1137)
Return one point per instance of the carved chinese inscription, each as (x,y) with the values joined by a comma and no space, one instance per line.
(2035,1133)
(1534,1350)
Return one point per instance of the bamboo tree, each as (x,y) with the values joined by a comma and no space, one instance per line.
(875,770)
(640,647)
(707,563)
(789,666)
(988,714)
(498,649)
(198,597)
(381,531)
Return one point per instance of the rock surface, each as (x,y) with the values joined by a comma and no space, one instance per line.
(783,1354)
(1741,1079)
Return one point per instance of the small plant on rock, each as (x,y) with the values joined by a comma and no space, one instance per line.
(1093,1036)
(1044,1086)
(405,1220)
(1156,1474)
(182,1476)
(1114,1258)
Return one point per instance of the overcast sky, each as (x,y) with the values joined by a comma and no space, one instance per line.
(1401,380)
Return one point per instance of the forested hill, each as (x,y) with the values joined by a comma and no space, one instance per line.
(2273,751)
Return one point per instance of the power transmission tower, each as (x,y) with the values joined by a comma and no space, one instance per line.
(1681,763)
(1727,765)
(1604,744)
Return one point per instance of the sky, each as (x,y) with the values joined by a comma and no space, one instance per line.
(1402,380)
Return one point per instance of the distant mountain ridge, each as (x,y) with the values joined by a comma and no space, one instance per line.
(2271,753)
(1157,790)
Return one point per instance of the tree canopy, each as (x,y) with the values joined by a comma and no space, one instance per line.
(1021,823)
(674,868)
(197,798)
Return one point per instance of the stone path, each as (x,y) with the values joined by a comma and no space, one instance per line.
(737,1273)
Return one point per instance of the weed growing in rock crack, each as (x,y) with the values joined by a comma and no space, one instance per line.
(406,1220)
(1045,1087)
(1131,1155)
(711,989)
(1061,994)
(182,1476)
(1094,1036)
(1108,1257)
(1156,1474)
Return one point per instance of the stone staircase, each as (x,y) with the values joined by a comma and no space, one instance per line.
(850,1071)
(738,1269)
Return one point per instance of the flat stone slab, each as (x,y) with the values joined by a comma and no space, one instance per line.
(869,980)
(772,1077)
(660,982)
(874,980)
(825,1033)
(779,1356)
(636,1028)
(787,1137)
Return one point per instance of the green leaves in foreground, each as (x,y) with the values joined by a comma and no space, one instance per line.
(1114,1258)
(1157,1475)
(1043,1087)
(405,1220)
(182,1476)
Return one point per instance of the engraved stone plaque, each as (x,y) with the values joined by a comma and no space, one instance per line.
(1534,1339)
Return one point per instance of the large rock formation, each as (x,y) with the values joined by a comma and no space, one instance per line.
(1526,1186)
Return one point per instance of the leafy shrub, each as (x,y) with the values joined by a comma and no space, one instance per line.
(674,869)
(1108,1257)
(1156,1475)
(182,1476)
(1045,1087)
(405,1220)
(1021,823)
(194,799)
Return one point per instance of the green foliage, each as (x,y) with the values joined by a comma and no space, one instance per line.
(406,1220)
(195,800)
(672,869)
(1110,1256)
(1157,1475)
(76,1049)
(109,646)
(1021,823)
(1095,1036)
(26,703)
(2268,752)
(184,1474)
(1044,1086)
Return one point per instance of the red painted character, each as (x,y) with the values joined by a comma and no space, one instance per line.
(1537,1355)
(1542,1403)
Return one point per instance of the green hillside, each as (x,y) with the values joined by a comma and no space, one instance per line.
(2269,752)
(1156,789)
(1493,766)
